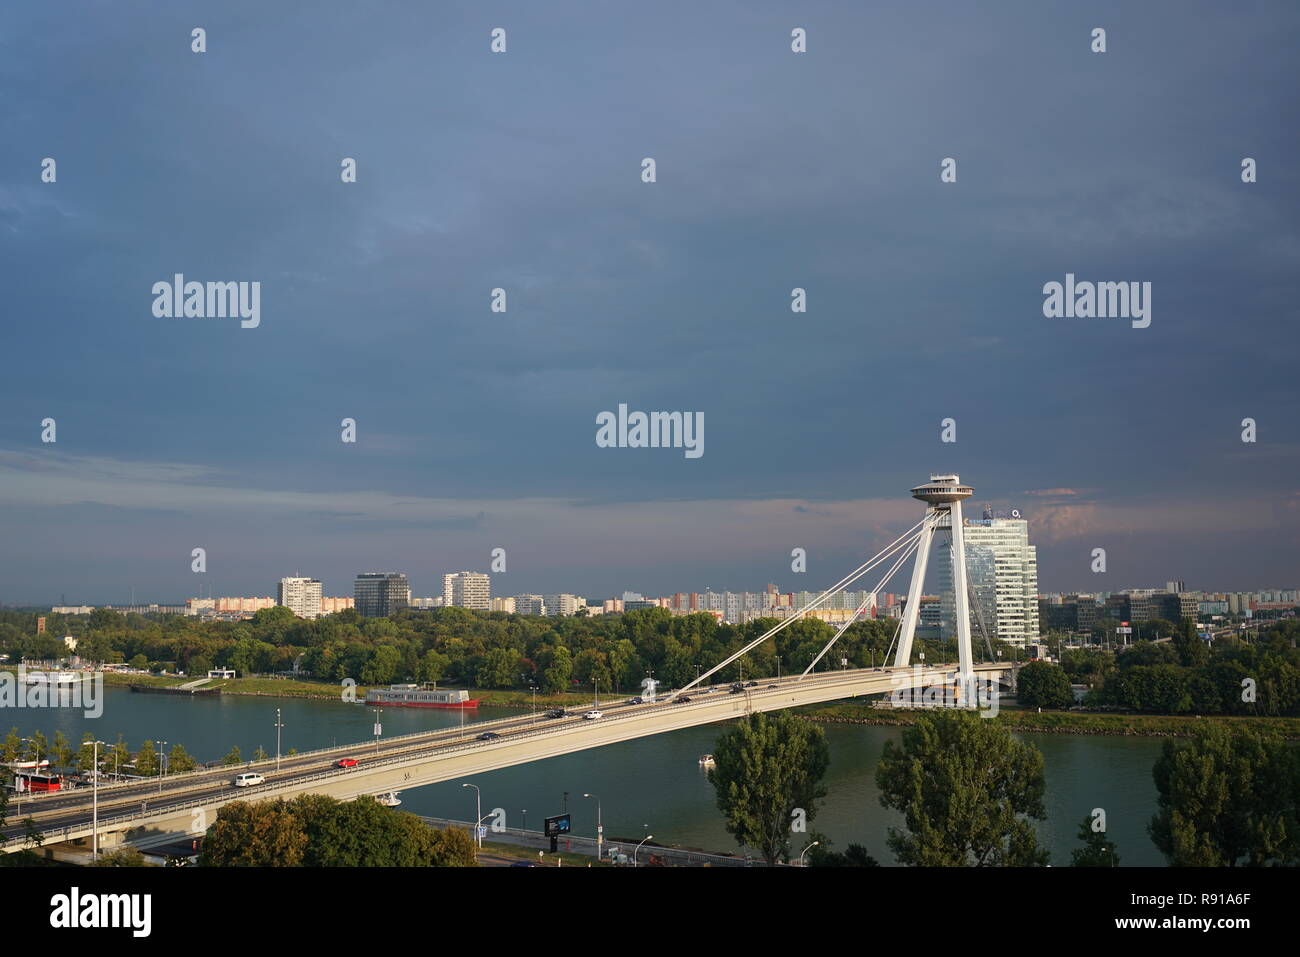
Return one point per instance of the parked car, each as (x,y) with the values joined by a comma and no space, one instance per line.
(346,763)
(593,715)
(488,736)
(248,779)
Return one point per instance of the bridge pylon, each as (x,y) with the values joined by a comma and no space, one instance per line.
(944,495)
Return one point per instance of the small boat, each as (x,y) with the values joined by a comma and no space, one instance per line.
(388,800)
(706,761)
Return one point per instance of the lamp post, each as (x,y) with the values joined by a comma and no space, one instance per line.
(778,667)
(638,848)
(805,851)
(94,813)
(600,827)
(525,814)
(478,815)
(159,745)
(379,728)
(278,725)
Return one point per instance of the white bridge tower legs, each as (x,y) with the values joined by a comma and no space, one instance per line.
(960,600)
(944,494)
(912,612)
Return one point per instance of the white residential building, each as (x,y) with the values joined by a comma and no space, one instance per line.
(467,590)
(302,596)
(1002,568)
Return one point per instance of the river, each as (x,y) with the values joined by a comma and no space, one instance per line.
(651,785)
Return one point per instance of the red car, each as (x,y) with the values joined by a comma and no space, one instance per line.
(346,763)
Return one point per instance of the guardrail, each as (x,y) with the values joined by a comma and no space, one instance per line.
(831,679)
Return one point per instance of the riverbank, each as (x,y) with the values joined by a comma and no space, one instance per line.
(1061,722)
(327,691)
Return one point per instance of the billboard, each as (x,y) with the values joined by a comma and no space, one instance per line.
(560,824)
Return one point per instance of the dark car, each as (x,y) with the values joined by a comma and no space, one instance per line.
(554,713)
(737,689)
(488,736)
(771,686)
(683,699)
(752,684)
(635,701)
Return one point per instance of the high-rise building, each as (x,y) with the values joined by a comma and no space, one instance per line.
(380,594)
(467,590)
(1002,572)
(302,596)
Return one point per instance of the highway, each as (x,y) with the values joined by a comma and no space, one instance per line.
(188,802)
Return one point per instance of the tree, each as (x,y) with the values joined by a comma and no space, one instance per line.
(1227,798)
(768,768)
(855,855)
(260,834)
(125,856)
(1041,684)
(233,758)
(1098,850)
(179,760)
(966,789)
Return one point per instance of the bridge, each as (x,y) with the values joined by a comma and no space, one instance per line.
(153,813)
(158,812)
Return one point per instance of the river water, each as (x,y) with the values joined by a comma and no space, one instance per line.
(651,785)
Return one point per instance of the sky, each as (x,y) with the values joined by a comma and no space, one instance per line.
(522,170)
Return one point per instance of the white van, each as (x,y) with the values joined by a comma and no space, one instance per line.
(248,779)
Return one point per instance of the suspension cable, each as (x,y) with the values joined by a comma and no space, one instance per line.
(844,582)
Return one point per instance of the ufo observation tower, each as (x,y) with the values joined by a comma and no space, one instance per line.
(943,495)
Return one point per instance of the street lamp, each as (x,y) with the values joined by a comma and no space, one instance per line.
(805,851)
(159,745)
(94,813)
(525,814)
(638,847)
(778,667)
(600,827)
(379,728)
(278,725)
(478,812)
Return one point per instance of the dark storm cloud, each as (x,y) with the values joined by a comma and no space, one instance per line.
(522,171)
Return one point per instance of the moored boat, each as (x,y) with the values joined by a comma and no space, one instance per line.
(416,696)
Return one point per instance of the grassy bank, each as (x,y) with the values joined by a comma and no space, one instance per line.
(1060,722)
(302,688)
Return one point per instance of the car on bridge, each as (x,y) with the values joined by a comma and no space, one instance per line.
(345,763)
(488,736)
(635,701)
(248,779)
(593,715)
(555,713)
(737,689)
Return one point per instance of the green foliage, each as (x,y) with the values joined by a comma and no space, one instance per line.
(125,856)
(966,789)
(768,776)
(1097,851)
(1041,684)
(1227,798)
(315,830)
